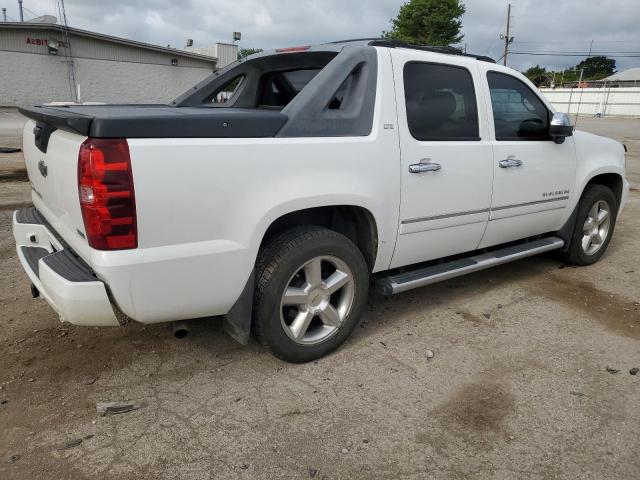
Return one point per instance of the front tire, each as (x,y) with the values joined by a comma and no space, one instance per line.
(311,289)
(595,222)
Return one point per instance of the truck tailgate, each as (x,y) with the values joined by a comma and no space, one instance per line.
(52,165)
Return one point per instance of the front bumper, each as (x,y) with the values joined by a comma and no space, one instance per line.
(66,282)
(625,195)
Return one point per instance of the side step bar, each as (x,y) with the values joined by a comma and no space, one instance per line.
(402,282)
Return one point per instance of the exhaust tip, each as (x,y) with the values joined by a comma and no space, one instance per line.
(180,330)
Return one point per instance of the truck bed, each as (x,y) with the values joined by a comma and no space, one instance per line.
(158,121)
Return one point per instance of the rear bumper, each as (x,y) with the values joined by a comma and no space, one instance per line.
(63,280)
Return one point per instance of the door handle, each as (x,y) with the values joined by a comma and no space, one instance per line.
(510,162)
(424,167)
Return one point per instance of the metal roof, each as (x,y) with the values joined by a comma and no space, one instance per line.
(631,74)
(106,38)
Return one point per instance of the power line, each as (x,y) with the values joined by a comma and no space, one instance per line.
(578,41)
(562,54)
(580,52)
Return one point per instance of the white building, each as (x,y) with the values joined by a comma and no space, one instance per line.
(36,61)
(630,77)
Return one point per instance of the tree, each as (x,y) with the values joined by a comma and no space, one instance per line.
(245,52)
(534,72)
(597,67)
(428,22)
(538,75)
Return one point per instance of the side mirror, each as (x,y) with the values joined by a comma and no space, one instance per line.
(560,127)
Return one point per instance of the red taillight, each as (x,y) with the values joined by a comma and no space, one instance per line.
(107,201)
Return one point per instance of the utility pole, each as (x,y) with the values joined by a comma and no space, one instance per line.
(68,56)
(507,37)
(20,9)
(571,93)
(590,48)
(579,99)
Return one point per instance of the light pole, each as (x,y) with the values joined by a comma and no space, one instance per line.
(237,36)
(571,92)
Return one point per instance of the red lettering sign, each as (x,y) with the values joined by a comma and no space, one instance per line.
(44,41)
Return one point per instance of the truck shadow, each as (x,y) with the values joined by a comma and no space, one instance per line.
(451,293)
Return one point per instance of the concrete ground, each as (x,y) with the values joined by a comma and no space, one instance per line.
(518,386)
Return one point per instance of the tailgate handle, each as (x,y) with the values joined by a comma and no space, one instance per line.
(42,131)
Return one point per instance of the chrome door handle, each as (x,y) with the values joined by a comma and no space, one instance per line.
(510,162)
(424,167)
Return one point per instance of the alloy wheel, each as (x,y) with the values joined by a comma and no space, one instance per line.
(317,300)
(596,227)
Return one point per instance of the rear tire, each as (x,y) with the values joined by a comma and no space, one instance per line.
(311,290)
(595,222)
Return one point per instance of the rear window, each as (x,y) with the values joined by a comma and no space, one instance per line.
(279,88)
(268,81)
(341,103)
(441,102)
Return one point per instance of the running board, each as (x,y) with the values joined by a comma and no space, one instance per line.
(402,282)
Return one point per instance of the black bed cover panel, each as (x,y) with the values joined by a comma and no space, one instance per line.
(158,121)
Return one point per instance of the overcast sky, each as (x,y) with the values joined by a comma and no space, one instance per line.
(537,25)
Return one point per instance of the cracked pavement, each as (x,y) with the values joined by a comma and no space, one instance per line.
(518,386)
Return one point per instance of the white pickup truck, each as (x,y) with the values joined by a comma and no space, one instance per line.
(277,190)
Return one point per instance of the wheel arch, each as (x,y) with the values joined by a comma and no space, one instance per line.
(609,179)
(356,223)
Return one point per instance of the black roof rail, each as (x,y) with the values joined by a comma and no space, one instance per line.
(396,43)
(357,40)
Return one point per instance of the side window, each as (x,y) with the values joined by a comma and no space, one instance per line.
(441,102)
(518,113)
